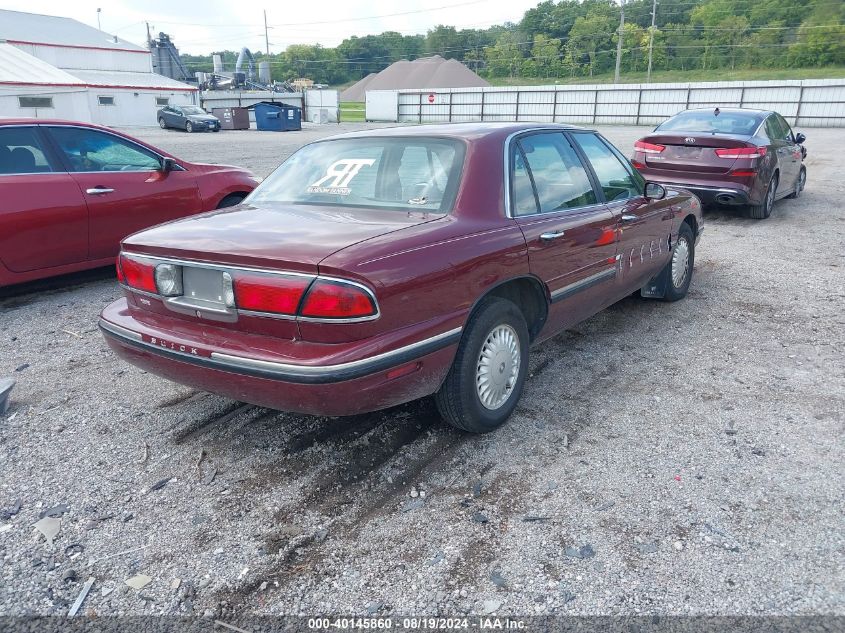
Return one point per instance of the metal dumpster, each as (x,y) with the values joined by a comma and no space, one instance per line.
(277,117)
(232,118)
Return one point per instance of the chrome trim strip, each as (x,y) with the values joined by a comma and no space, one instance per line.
(324,369)
(267,271)
(704,188)
(583,284)
(287,372)
(120,331)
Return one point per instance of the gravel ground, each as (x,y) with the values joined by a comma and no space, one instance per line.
(666,458)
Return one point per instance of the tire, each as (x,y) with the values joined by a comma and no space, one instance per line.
(495,323)
(800,183)
(231,200)
(678,272)
(764,210)
(161,123)
(189,127)
(217,129)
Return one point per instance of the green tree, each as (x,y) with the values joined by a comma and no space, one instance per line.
(545,54)
(504,58)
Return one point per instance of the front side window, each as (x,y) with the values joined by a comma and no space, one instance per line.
(617,181)
(773,129)
(392,173)
(91,150)
(559,177)
(784,126)
(21,152)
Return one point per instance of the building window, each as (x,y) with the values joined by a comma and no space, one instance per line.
(35,102)
(106,100)
(162,101)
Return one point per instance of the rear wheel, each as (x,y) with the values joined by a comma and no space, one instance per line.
(161,123)
(189,127)
(487,377)
(764,210)
(800,183)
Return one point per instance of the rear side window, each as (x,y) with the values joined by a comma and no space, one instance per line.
(88,150)
(773,129)
(559,177)
(21,151)
(616,180)
(411,174)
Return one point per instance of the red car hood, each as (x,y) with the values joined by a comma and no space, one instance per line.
(293,237)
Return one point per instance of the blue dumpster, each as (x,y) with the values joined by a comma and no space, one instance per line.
(277,117)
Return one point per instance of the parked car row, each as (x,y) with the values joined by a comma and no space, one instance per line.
(378,267)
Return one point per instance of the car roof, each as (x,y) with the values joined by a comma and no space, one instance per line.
(459,130)
(34,121)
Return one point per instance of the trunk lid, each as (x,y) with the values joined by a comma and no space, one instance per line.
(693,151)
(289,237)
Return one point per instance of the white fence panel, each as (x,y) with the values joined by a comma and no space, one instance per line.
(810,103)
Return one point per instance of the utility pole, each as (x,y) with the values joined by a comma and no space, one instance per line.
(266,38)
(98,19)
(619,41)
(651,40)
(149,39)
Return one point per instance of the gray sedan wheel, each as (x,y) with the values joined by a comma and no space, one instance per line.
(189,127)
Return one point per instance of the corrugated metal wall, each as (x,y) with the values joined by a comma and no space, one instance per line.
(810,103)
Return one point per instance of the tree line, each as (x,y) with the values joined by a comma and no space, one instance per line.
(572,38)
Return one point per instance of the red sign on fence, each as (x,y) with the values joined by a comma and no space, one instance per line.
(431,98)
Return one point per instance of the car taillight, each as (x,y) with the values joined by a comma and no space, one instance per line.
(169,280)
(137,274)
(336,300)
(648,148)
(741,152)
(269,293)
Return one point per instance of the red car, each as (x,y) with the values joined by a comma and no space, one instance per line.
(726,156)
(72,191)
(379,267)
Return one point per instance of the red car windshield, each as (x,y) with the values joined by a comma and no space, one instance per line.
(407,174)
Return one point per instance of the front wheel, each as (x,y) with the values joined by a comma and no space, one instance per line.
(189,127)
(678,272)
(764,210)
(487,377)
(161,123)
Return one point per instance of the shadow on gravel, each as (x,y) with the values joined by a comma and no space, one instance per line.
(24,294)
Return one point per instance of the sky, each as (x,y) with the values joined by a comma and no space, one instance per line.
(202,26)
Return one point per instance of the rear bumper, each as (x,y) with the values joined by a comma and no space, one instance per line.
(710,196)
(326,388)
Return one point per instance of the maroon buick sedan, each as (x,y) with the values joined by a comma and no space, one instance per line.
(726,156)
(72,191)
(379,267)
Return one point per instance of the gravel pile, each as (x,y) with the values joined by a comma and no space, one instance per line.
(666,458)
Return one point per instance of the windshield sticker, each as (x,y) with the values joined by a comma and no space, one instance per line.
(339,175)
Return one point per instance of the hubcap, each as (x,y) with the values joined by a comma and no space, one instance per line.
(497,367)
(770,196)
(680,262)
(802,180)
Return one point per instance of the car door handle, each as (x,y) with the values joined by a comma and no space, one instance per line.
(630,218)
(98,191)
(551,235)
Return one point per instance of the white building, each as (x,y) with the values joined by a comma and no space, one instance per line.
(52,67)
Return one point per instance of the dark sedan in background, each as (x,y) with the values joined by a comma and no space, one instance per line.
(190,118)
(72,191)
(726,156)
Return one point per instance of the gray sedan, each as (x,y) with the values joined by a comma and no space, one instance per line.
(189,118)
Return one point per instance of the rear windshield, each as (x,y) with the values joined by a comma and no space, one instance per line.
(709,121)
(407,174)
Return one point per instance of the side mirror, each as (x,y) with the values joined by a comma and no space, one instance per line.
(168,164)
(653,191)
(800,138)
